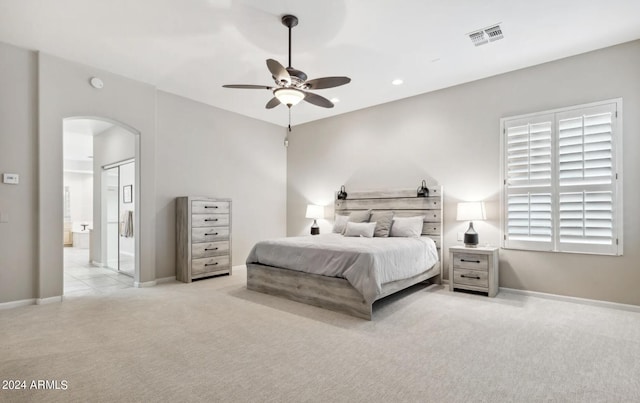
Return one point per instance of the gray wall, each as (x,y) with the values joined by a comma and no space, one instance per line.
(183,147)
(63,92)
(205,151)
(18,154)
(452,137)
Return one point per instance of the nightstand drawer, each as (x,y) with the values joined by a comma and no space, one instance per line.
(475,278)
(470,261)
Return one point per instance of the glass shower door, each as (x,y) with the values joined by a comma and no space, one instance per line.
(112,200)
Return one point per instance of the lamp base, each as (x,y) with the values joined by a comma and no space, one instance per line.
(471,237)
(315,228)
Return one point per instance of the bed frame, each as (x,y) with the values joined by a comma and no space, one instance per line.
(336,293)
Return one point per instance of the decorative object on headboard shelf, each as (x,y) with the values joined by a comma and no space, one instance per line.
(469,211)
(423,190)
(342,193)
(315,212)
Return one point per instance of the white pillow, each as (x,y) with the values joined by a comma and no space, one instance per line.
(363,229)
(407,226)
(340,223)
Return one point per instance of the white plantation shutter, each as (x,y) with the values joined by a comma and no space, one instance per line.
(587,179)
(562,180)
(529,221)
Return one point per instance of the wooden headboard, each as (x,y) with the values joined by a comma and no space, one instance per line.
(404,203)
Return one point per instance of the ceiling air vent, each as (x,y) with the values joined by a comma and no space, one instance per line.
(486,35)
(494,33)
(478,38)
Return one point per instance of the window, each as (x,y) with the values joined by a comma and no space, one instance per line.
(562,176)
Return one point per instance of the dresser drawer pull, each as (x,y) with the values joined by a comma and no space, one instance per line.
(470,261)
(211,264)
(213,233)
(474,277)
(211,219)
(210,206)
(210,248)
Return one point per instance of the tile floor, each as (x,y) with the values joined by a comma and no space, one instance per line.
(81,278)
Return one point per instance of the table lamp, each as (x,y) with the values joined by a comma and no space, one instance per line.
(470,211)
(315,212)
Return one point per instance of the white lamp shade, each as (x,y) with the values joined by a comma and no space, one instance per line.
(289,96)
(314,211)
(471,211)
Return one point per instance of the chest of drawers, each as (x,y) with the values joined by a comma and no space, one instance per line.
(474,269)
(203,237)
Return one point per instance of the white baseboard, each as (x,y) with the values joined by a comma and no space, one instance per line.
(50,300)
(583,301)
(145,284)
(165,280)
(240,266)
(16,304)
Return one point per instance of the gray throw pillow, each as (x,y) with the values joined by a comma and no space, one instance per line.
(340,223)
(407,226)
(383,221)
(360,216)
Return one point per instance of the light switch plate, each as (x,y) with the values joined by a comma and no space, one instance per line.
(460,236)
(11,179)
(4,217)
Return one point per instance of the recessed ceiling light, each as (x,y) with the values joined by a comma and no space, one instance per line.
(397,81)
(335,100)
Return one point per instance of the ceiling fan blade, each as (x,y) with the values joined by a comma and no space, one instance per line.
(327,82)
(248,86)
(317,100)
(272,103)
(279,73)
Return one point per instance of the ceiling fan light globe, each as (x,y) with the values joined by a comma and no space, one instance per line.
(289,96)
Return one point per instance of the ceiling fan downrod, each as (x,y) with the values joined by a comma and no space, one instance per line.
(289,21)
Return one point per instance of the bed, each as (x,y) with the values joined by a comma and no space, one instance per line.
(345,274)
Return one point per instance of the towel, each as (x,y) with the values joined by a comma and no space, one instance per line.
(126,224)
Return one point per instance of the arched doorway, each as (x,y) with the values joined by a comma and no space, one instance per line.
(100,182)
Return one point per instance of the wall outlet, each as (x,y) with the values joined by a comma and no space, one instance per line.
(460,236)
(11,179)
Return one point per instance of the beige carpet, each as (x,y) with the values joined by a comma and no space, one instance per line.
(214,341)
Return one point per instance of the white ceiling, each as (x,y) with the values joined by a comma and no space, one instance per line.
(78,138)
(193,47)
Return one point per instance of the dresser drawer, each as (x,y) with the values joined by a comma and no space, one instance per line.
(208,249)
(209,234)
(209,264)
(475,278)
(209,207)
(470,261)
(210,220)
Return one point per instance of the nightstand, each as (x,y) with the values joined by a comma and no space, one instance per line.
(474,269)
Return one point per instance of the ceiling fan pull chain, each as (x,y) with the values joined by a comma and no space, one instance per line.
(289,119)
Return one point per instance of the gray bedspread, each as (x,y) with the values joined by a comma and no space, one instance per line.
(367,263)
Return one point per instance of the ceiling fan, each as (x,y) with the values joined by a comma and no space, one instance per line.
(292,84)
